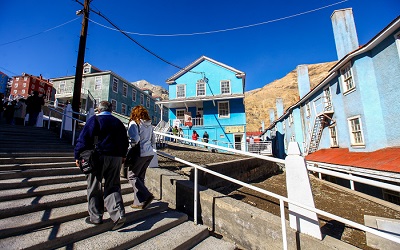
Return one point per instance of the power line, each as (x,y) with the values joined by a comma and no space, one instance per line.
(8,71)
(39,32)
(222,30)
(140,45)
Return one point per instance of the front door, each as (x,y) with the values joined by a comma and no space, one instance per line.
(238,141)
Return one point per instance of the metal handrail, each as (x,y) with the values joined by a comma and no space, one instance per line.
(281,198)
(63,120)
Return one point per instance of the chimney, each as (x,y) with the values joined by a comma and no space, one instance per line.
(279,107)
(271,116)
(344,32)
(303,80)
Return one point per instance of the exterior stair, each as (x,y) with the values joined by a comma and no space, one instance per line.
(43,203)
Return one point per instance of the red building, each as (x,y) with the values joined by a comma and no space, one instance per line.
(24,85)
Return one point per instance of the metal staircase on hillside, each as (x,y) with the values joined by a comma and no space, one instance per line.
(320,123)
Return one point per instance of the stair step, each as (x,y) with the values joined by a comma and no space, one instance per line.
(29,173)
(69,232)
(24,154)
(32,204)
(31,160)
(215,244)
(184,236)
(37,165)
(132,234)
(37,181)
(28,222)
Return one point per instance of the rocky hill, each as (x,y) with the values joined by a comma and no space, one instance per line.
(259,101)
(157,90)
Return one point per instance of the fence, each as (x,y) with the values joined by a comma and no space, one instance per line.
(281,199)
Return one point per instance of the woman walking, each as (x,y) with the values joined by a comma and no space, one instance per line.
(140,131)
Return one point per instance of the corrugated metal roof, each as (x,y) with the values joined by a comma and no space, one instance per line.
(387,159)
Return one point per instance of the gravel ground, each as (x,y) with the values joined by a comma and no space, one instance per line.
(327,197)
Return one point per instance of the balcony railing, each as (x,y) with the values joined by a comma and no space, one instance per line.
(195,122)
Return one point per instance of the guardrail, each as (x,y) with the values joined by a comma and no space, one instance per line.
(279,197)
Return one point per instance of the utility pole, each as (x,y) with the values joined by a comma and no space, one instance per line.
(76,98)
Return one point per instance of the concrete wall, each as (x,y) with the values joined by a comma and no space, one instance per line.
(241,223)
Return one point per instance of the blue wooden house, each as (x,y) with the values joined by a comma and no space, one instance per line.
(208,95)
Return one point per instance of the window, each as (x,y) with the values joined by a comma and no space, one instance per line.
(25,78)
(17,79)
(115,85)
(23,91)
(125,90)
(155,108)
(134,95)
(148,102)
(225,87)
(123,108)
(141,99)
(328,99)
(347,78)
(16,85)
(201,88)
(355,128)
(114,104)
(284,125)
(223,109)
(97,82)
(97,102)
(290,119)
(180,91)
(333,137)
(24,84)
(62,87)
(86,70)
(180,114)
(308,109)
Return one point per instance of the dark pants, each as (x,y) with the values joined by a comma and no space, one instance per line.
(136,175)
(33,118)
(111,199)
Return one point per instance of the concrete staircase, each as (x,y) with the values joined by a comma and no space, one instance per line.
(43,203)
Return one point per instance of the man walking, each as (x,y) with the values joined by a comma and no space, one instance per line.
(34,106)
(112,146)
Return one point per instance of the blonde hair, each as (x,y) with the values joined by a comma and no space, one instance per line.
(139,112)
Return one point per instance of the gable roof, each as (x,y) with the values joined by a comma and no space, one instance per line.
(239,74)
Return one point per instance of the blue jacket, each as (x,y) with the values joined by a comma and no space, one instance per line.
(112,138)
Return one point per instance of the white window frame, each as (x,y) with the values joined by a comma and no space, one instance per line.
(284,125)
(61,87)
(308,109)
(23,91)
(98,81)
(333,136)
(148,102)
(134,93)
(142,99)
(291,119)
(180,93)
(86,70)
(125,89)
(181,117)
(115,85)
(328,99)
(200,91)
(228,114)
(123,108)
(356,133)
(16,85)
(114,105)
(347,76)
(223,88)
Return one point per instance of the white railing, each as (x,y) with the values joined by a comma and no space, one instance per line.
(281,198)
(195,122)
(64,115)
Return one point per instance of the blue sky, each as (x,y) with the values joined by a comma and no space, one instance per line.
(265,52)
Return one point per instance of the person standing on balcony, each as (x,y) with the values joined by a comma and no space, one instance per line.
(34,105)
(112,145)
(140,131)
(205,137)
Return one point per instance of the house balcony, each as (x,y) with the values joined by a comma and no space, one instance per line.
(195,122)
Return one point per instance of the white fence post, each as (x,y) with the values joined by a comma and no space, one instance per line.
(299,190)
(68,119)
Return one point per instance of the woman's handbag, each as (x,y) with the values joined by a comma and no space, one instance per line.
(133,154)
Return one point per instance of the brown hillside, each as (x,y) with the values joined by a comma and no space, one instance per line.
(157,90)
(259,101)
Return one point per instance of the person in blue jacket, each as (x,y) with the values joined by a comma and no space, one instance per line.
(112,146)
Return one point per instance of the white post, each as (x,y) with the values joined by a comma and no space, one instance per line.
(39,122)
(299,190)
(48,124)
(283,223)
(195,195)
(351,183)
(68,120)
